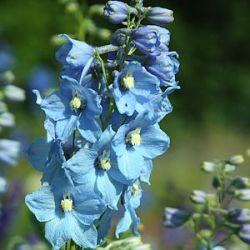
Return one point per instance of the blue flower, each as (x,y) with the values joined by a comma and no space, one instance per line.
(146,40)
(9,152)
(93,167)
(132,86)
(134,144)
(244,233)
(76,58)
(165,67)
(160,16)
(131,200)
(73,106)
(68,214)
(116,11)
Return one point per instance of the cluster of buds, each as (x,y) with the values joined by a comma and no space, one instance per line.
(215,219)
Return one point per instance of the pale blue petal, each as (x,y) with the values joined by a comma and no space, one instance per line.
(66,127)
(146,171)
(89,129)
(154,142)
(42,204)
(124,224)
(37,153)
(109,188)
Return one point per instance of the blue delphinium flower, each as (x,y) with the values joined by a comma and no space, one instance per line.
(116,11)
(131,201)
(95,168)
(174,217)
(73,106)
(135,144)
(102,127)
(160,16)
(68,214)
(165,67)
(131,88)
(76,58)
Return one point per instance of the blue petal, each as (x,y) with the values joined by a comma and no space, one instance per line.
(37,153)
(59,230)
(130,164)
(104,225)
(54,106)
(109,188)
(88,206)
(65,128)
(105,139)
(81,167)
(89,128)
(42,204)
(154,142)
(146,171)
(124,224)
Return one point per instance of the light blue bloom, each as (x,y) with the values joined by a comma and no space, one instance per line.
(68,214)
(164,67)
(73,106)
(131,200)
(132,87)
(116,11)
(160,16)
(76,58)
(93,167)
(9,152)
(136,142)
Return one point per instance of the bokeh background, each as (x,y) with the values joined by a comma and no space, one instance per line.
(211,114)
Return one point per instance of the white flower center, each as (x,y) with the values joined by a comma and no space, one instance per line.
(67,204)
(75,103)
(133,138)
(104,160)
(128,81)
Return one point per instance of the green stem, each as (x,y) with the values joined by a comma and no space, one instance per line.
(73,142)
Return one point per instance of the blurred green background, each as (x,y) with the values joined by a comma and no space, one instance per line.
(211,111)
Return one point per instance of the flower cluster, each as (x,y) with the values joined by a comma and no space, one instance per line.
(215,218)
(9,149)
(103,128)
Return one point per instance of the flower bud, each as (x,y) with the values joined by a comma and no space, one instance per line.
(241,182)
(198,197)
(243,195)
(134,243)
(146,40)
(7,120)
(116,11)
(238,216)
(160,16)
(229,168)
(72,7)
(208,167)
(14,93)
(174,217)
(236,160)
(244,233)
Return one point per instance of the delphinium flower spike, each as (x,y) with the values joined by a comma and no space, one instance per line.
(103,128)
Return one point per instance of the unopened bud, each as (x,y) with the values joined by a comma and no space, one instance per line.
(174,217)
(238,216)
(198,197)
(208,167)
(229,168)
(236,160)
(241,182)
(243,195)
